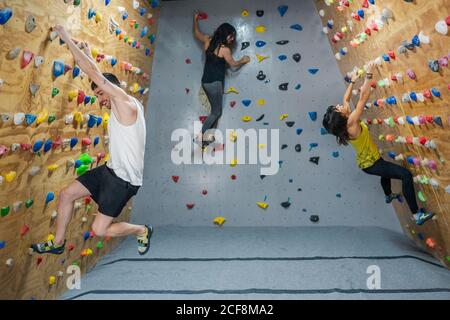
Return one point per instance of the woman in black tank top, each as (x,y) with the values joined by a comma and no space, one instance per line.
(219,57)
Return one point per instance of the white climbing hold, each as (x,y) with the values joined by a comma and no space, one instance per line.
(68,119)
(135,4)
(15,147)
(10,262)
(121,9)
(38,60)
(54,214)
(17,205)
(447,189)
(441,27)
(321,12)
(423,38)
(325,30)
(34,170)
(53,35)
(19,118)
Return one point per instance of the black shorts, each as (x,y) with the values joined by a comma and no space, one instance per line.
(110,192)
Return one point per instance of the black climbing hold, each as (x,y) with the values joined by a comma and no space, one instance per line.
(260,13)
(297,57)
(299,189)
(314,160)
(283,86)
(245,45)
(282,42)
(298,147)
(261,76)
(260,117)
(286,204)
(314,218)
(262,176)
(290,123)
(284,146)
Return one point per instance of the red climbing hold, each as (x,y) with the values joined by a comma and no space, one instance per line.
(25,228)
(190,205)
(233,177)
(430,242)
(422,140)
(175,178)
(202,118)
(39,260)
(391,54)
(25,146)
(365,4)
(356,16)
(80,97)
(427,94)
(67,68)
(373,84)
(205,192)
(202,16)
(87,200)
(188,61)
(85,141)
(57,142)
(70,247)
(26,58)
(232,104)
(368,32)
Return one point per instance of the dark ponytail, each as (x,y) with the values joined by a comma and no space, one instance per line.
(336,124)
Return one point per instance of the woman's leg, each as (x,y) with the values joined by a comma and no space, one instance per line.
(388,170)
(214,92)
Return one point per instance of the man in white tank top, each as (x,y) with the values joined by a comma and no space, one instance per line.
(112,185)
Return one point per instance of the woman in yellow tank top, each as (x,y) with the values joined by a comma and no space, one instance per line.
(346,125)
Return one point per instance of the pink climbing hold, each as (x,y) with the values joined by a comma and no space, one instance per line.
(202,118)
(26,58)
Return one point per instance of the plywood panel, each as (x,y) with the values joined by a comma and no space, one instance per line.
(27,279)
(408,20)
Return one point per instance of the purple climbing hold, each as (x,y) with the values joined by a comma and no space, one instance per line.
(282,10)
(312,115)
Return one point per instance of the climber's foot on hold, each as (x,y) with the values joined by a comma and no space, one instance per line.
(393,196)
(48,247)
(144,240)
(422,216)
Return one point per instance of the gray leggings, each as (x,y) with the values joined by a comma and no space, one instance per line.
(214,92)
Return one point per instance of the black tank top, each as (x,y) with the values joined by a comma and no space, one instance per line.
(215,68)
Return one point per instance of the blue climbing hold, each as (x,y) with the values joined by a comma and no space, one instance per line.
(147,51)
(313,115)
(361,13)
(282,10)
(342,51)
(58,68)
(86,235)
(391,100)
(323,131)
(99,121)
(107,2)
(37,145)
(113,62)
(96,140)
(78,163)
(297,87)
(5,15)
(282,57)
(87,99)
(299,131)
(125,15)
(29,118)
(372,2)
(2,244)
(416,41)
(410,159)
(144,31)
(134,43)
(335,154)
(338,195)
(75,72)
(91,13)
(246,102)
(313,70)
(50,197)
(392,154)
(375,103)
(48,145)
(118,31)
(141,91)
(297,27)
(61,41)
(154,3)
(260,43)
(413,96)
(435,92)
(386,58)
(313,145)
(420,235)
(409,120)
(73,142)
(152,38)
(330,24)
(142,11)
(92,121)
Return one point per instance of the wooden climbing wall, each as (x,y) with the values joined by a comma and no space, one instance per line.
(28,277)
(409,18)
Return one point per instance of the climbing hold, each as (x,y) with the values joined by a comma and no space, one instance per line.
(436,92)
(262,205)
(283,116)
(26,58)
(219,221)
(297,27)
(246,103)
(283,86)
(4,211)
(411,74)
(434,65)
(73,142)
(75,72)
(38,60)
(29,203)
(441,27)
(286,204)
(282,57)
(86,142)
(80,97)
(298,147)
(260,29)
(259,13)
(2,244)
(314,218)
(261,76)
(313,71)
(29,118)
(299,131)
(13,54)
(58,68)
(282,10)
(202,16)
(34,89)
(233,162)
(244,13)
(313,115)
(50,197)
(5,15)
(313,145)
(260,44)
(175,178)
(245,45)
(297,57)
(30,24)
(231,90)
(421,196)
(261,58)
(48,145)
(314,160)
(260,117)
(246,118)
(290,124)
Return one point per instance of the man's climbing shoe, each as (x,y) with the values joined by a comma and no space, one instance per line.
(48,247)
(393,196)
(422,217)
(144,240)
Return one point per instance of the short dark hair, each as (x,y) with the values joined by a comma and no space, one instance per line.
(110,77)
(336,124)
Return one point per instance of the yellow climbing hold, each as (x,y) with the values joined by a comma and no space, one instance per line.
(105,120)
(94,52)
(52,167)
(72,95)
(232,90)
(50,237)
(261,102)
(51,280)
(344,29)
(219,221)
(260,29)
(261,58)
(98,17)
(135,88)
(246,118)
(283,116)
(42,117)
(106,157)
(233,136)
(262,205)
(360,72)
(381,137)
(244,13)
(77,117)
(10,176)
(233,163)
(261,146)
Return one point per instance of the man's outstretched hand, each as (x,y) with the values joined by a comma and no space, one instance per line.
(62,33)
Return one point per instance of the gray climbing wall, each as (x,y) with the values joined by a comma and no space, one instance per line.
(161,201)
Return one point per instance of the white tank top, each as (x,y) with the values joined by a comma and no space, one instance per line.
(127,147)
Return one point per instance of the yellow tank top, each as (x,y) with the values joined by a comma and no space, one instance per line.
(366,150)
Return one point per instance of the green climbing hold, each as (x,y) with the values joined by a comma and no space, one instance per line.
(75,263)
(4,211)
(89,207)
(100,245)
(125,39)
(82,169)
(448,258)
(93,98)
(421,196)
(76,2)
(136,25)
(29,203)
(51,118)
(86,159)
(55,91)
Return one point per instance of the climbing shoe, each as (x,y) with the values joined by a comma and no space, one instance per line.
(48,247)
(422,217)
(393,196)
(144,240)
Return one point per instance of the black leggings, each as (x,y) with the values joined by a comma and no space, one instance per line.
(387,171)
(214,92)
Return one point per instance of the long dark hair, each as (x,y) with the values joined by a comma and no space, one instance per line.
(336,124)
(220,37)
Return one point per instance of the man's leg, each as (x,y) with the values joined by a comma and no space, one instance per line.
(103,227)
(66,199)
